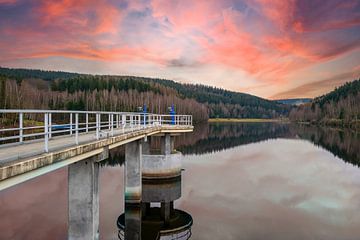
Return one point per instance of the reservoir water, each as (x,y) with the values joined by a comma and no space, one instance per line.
(240,181)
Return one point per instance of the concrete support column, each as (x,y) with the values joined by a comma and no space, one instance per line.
(133,172)
(166,145)
(146,146)
(172,144)
(132,221)
(145,208)
(83,200)
(166,211)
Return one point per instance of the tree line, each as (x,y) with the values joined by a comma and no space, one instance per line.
(339,107)
(62,90)
(24,95)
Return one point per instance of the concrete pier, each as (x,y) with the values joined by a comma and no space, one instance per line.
(157,223)
(83,200)
(166,211)
(133,172)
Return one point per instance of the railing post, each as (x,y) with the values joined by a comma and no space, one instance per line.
(144,120)
(77,128)
(21,125)
(87,122)
(123,122)
(112,124)
(46,132)
(71,124)
(117,120)
(50,126)
(97,126)
(131,121)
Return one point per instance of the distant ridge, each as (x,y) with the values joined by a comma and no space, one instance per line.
(294,101)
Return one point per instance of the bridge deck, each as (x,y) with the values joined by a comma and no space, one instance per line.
(22,158)
(13,152)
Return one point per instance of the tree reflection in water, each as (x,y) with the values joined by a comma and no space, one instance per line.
(207,138)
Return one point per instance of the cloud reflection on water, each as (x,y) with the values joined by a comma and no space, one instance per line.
(275,189)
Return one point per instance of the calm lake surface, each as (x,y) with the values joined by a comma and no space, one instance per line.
(241,181)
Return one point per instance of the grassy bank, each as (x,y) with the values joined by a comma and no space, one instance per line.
(252,120)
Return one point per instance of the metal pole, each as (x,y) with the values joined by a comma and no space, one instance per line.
(123,122)
(97,126)
(76,128)
(71,124)
(144,119)
(117,120)
(46,131)
(87,122)
(109,120)
(21,132)
(112,124)
(50,126)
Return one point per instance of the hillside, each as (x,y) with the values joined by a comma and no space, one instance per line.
(63,90)
(339,107)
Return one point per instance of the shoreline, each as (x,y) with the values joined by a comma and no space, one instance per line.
(334,123)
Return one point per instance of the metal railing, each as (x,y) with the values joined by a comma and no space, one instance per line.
(23,125)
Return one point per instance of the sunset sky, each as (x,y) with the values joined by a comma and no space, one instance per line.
(269,48)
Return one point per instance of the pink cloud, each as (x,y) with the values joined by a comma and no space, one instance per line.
(186,15)
(268,40)
(92,16)
(8,1)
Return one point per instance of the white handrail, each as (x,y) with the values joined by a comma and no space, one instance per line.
(60,122)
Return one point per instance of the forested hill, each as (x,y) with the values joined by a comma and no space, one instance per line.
(340,106)
(224,103)
(63,90)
